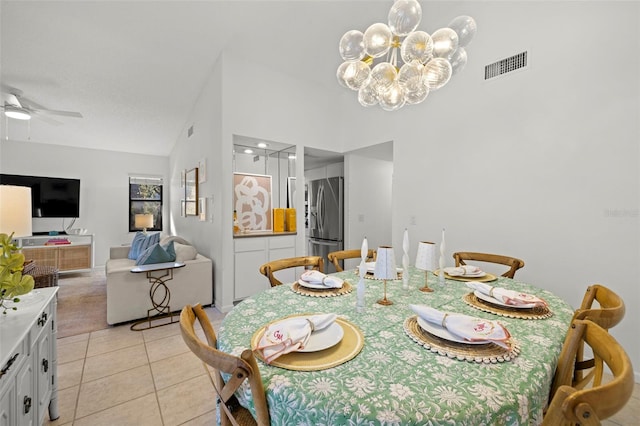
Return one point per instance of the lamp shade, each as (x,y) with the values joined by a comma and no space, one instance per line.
(144,221)
(426,256)
(385,264)
(15,210)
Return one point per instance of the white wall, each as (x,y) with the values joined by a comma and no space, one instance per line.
(258,103)
(368,189)
(541,164)
(104,186)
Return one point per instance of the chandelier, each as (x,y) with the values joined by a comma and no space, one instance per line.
(425,62)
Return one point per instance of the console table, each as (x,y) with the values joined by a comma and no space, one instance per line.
(77,256)
(159,293)
(28,360)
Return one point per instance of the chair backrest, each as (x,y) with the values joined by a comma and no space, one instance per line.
(608,314)
(336,256)
(570,406)
(267,269)
(240,368)
(512,262)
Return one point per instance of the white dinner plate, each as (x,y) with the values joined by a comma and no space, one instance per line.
(443,333)
(324,339)
(495,301)
(318,286)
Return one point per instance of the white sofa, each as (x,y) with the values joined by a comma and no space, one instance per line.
(128,293)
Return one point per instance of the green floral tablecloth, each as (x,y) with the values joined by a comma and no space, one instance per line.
(394,380)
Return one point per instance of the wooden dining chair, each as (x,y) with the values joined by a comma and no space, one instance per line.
(336,256)
(311,262)
(570,406)
(607,313)
(239,368)
(512,262)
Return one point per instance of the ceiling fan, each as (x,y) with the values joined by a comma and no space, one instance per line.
(20,108)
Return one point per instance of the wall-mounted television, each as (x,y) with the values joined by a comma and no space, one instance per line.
(50,196)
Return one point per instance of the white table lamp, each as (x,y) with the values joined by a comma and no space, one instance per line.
(144,221)
(385,270)
(426,261)
(15,210)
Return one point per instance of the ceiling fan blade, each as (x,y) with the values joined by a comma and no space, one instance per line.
(11,99)
(37,115)
(36,107)
(54,112)
(10,90)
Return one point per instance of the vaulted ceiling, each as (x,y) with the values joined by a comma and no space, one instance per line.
(134,69)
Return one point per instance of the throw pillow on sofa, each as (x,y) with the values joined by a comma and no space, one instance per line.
(157,254)
(141,242)
(184,252)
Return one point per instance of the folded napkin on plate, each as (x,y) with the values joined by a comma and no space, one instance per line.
(316,277)
(468,328)
(291,334)
(463,270)
(509,297)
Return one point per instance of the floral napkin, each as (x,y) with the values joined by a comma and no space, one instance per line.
(316,277)
(464,270)
(509,297)
(291,334)
(466,327)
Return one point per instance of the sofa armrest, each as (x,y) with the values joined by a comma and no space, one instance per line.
(119,252)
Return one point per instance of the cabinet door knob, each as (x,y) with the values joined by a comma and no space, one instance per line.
(26,403)
(45,365)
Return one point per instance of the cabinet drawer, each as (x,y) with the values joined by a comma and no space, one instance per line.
(285,241)
(42,323)
(250,244)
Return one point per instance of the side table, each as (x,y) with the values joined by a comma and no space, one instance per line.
(43,276)
(157,274)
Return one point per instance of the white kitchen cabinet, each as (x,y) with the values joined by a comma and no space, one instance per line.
(250,253)
(28,360)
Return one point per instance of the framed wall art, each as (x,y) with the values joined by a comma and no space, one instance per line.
(191,192)
(291,192)
(252,201)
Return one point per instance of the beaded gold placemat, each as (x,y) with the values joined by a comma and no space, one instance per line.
(529,313)
(485,353)
(325,292)
(351,344)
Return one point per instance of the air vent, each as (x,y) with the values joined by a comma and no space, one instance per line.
(256,158)
(506,65)
(190,131)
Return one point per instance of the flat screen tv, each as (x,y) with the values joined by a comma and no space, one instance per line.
(50,196)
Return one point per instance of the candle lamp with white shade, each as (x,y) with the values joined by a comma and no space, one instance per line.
(15,210)
(426,261)
(143,221)
(385,270)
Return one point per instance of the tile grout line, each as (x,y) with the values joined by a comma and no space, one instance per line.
(153,379)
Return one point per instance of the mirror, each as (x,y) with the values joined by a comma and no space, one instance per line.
(269,158)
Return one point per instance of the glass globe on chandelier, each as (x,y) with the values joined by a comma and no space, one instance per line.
(427,61)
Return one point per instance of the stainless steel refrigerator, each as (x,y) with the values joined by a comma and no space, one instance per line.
(326,205)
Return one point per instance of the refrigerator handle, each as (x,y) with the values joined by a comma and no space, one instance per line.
(320,206)
(324,243)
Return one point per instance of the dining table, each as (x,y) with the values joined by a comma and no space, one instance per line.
(389,370)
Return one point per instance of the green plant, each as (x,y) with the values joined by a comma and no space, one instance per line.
(12,282)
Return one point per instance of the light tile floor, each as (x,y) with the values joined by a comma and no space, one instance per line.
(122,377)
